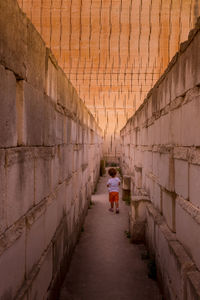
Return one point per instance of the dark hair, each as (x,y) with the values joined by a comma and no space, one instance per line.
(112,172)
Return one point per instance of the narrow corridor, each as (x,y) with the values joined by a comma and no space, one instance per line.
(105,265)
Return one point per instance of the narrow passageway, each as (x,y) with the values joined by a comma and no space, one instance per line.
(105,265)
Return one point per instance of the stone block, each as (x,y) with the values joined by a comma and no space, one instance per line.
(73,132)
(175,126)
(166,171)
(50,220)
(193,285)
(43,158)
(8,125)
(34,115)
(51,79)
(3,222)
(12,268)
(58,248)
(181,177)
(168,209)
(174,264)
(62,88)
(13,43)
(157,196)
(59,128)
(188,228)
(49,119)
(36,56)
(191,126)
(194,186)
(35,237)
(155,163)
(165,129)
(61,200)
(41,283)
(20,183)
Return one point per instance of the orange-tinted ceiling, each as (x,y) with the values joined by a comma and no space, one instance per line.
(113,51)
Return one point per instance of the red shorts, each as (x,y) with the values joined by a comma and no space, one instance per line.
(113,196)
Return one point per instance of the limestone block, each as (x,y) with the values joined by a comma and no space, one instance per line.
(191,126)
(175,126)
(35,237)
(157,131)
(150,230)
(181,177)
(50,220)
(59,128)
(13,43)
(51,79)
(12,268)
(58,248)
(41,283)
(20,183)
(157,196)
(165,129)
(8,126)
(68,130)
(62,88)
(193,285)
(61,200)
(194,186)
(73,132)
(126,182)
(156,162)
(166,171)
(43,158)
(168,209)
(3,191)
(68,199)
(34,115)
(188,228)
(49,119)
(174,264)
(36,52)
(61,164)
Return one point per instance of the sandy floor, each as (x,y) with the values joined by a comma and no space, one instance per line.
(105,265)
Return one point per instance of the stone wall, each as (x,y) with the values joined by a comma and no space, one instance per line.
(50,150)
(161,154)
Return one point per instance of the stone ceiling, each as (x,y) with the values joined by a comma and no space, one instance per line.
(113,51)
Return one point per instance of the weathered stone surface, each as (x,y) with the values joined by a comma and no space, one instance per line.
(8,126)
(193,285)
(3,192)
(51,79)
(41,283)
(194,187)
(181,178)
(12,268)
(13,43)
(35,237)
(34,115)
(20,183)
(36,52)
(188,228)
(43,160)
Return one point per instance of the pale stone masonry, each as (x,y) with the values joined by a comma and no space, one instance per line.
(160,151)
(50,150)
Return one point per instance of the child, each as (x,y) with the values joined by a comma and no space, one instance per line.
(113,188)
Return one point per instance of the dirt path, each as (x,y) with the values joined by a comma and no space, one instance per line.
(105,265)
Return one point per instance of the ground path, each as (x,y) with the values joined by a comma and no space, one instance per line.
(105,265)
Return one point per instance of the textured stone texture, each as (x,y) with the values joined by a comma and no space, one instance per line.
(42,154)
(168,160)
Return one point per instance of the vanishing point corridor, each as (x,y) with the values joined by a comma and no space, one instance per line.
(87,84)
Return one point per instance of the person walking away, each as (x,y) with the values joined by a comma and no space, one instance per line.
(113,188)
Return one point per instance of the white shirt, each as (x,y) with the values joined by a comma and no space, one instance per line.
(113,184)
